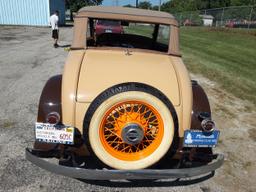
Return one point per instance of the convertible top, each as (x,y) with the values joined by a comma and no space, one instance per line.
(130,14)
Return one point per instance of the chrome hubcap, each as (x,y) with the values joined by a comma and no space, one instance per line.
(132,134)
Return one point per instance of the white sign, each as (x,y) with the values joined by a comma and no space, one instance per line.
(51,133)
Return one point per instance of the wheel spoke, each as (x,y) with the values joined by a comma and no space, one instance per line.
(111,142)
(131,112)
(124,148)
(112,132)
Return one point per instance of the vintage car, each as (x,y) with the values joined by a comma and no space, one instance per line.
(125,106)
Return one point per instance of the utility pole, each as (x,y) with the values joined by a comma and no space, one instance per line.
(160,3)
(115,2)
(250,18)
(137,3)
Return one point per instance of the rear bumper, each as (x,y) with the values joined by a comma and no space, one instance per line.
(105,174)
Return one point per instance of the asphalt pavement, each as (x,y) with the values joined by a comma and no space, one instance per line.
(27,61)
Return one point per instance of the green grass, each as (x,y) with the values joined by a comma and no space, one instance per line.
(225,56)
(139,30)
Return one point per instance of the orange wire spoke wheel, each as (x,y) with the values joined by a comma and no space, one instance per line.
(131,130)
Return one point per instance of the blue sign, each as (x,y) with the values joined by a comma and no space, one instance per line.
(197,138)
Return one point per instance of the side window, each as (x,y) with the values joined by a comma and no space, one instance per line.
(88,34)
(143,29)
(163,34)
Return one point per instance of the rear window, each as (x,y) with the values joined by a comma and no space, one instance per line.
(108,23)
(123,34)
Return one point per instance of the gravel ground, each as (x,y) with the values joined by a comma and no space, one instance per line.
(27,60)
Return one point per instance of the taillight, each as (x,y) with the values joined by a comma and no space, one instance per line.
(53,118)
(208,125)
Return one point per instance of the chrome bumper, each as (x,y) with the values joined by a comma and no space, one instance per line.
(106,174)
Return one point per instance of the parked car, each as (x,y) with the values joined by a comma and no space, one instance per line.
(125,106)
(230,24)
(108,26)
(197,22)
(240,24)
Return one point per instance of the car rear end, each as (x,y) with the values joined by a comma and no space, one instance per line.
(125,107)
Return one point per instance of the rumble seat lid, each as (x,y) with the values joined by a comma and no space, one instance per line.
(102,69)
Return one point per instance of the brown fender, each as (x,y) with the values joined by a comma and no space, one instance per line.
(50,101)
(200,105)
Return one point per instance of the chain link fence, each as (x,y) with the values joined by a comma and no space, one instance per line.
(232,17)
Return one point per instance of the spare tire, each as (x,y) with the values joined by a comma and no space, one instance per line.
(130,126)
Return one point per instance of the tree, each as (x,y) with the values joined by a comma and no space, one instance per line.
(174,6)
(167,6)
(145,5)
(180,5)
(243,2)
(128,5)
(155,7)
(75,5)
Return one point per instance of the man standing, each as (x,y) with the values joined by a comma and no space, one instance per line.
(54,19)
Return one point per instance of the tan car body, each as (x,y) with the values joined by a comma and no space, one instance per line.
(87,73)
(90,71)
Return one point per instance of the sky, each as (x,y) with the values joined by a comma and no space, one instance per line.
(125,2)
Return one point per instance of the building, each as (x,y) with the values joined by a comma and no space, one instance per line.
(30,12)
(207,20)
